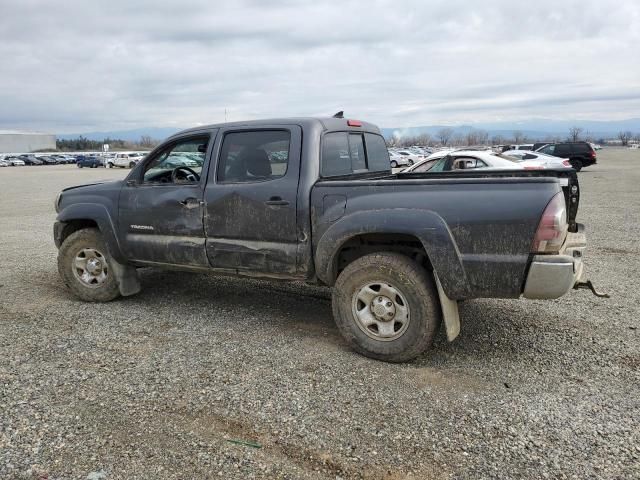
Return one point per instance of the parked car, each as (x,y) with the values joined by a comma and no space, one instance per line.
(396,160)
(533,158)
(595,146)
(65,159)
(14,161)
(580,154)
(523,146)
(462,160)
(87,161)
(125,160)
(4,163)
(30,160)
(47,160)
(399,250)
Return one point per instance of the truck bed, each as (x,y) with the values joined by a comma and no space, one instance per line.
(490,219)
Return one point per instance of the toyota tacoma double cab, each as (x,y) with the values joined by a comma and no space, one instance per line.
(314,200)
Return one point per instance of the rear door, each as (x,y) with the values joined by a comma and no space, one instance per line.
(251,200)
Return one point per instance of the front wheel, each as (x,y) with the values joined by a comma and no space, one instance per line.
(394,164)
(386,307)
(84,266)
(410,162)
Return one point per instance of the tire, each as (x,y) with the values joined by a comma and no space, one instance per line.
(394,164)
(79,165)
(132,164)
(109,165)
(101,285)
(410,162)
(576,164)
(414,324)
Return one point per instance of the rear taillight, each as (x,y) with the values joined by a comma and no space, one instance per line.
(553,227)
(566,163)
(593,153)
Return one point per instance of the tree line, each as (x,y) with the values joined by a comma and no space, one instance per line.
(450,138)
(82,143)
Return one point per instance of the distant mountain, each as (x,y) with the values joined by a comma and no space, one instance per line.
(155,133)
(532,129)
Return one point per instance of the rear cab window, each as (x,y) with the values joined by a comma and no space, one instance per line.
(344,153)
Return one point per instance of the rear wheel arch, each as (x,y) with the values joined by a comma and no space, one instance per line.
(360,245)
(421,235)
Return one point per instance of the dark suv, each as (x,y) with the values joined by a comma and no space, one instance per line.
(580,154)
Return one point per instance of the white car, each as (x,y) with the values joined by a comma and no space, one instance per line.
(125,159)
(455,160)
(14,161)
(538,158)
(397,160)
(3,163)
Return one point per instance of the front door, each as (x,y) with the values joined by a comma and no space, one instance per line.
(161,211)
(251,200)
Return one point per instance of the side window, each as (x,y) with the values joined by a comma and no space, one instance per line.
(581,148)
(549,149)
(467,163)
(180,162)
(356,151)
(377,153)
(344,153)
(254,156)
(562,150)
(425,167)
(335,155)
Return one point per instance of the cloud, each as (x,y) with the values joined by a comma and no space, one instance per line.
(80,66)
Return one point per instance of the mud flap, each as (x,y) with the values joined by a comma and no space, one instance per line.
(127,278)
(450,312)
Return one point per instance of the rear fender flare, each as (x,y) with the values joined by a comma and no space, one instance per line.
(429,227)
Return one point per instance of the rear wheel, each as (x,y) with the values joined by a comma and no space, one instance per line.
(394,164)
(386,307)
(410,162)
(576,164)
(84,266)
(109,165)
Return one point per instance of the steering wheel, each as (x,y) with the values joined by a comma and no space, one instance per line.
(174,174)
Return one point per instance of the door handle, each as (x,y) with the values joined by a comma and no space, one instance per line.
(276,201)
(191,202)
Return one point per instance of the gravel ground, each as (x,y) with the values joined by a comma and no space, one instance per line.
(155,386)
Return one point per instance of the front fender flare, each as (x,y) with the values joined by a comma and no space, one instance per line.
(429,227)
(99,214)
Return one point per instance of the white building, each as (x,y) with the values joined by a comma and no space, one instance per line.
(14,141)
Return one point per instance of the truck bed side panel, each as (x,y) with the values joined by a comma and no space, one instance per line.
(491,223)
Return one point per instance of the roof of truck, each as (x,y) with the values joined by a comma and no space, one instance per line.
(325,123)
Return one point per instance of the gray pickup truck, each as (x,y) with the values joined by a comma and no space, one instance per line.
(314,200)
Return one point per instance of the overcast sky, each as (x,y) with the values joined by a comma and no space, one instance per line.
(77,66)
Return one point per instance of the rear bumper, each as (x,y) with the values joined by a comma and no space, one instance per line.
(552,276)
